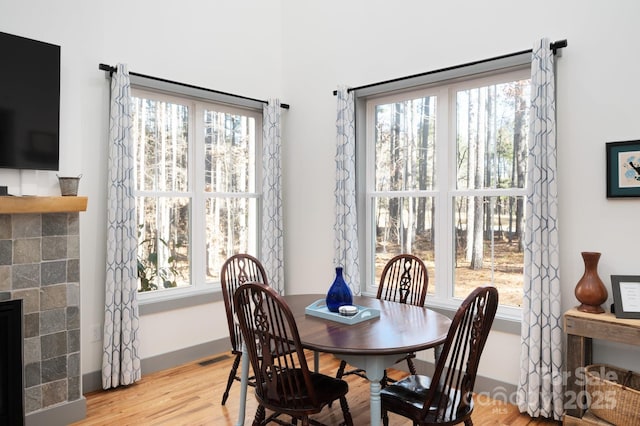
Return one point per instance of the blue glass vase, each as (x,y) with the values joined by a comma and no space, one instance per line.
(339,293)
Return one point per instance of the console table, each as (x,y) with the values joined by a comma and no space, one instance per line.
(581,328)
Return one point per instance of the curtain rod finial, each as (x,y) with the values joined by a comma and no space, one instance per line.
(105,67)
(555,46)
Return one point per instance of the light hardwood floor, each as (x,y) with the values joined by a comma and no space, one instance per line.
(191,394)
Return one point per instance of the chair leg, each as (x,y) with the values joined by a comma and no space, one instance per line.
(385,380)
(232,376)
(259,418)
(468,422)
(348,421)
(385,418)
(340,373)
(412,367)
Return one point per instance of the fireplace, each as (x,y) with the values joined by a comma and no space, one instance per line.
(11,387)
(40,269)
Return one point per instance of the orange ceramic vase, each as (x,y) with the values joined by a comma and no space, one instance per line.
(590,290)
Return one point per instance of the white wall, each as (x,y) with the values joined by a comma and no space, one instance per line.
(300,56)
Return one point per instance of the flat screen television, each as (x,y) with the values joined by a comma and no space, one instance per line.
(29,103)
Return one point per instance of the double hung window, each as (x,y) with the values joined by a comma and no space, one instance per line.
(197,189)
(442,171)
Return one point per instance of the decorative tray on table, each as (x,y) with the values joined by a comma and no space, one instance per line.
(319,309)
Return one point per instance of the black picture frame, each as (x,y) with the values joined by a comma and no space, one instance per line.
(623,169)
(626,295)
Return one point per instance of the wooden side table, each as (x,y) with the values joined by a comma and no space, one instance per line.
(581,328)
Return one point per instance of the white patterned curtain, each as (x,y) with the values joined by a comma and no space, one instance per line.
(120,360)
(272,229)
(540,389)
(346,224)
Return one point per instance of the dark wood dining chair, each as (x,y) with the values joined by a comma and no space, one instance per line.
(237,270)
(404,279)
(284,383)
(447,397)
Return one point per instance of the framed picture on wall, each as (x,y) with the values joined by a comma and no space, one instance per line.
(626,295)
(623,169)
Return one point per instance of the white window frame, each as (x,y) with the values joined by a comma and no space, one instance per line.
(200,290)
(441,84)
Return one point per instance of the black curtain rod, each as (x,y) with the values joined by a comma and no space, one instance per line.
(111,70)
(553,46)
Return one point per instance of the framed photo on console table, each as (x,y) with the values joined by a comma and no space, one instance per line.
(626,295)
(623,169)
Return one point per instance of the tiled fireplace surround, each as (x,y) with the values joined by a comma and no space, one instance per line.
(39,263)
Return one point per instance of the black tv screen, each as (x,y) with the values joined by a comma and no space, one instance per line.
(29,103)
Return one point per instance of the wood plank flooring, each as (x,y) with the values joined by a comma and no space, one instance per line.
(191,394)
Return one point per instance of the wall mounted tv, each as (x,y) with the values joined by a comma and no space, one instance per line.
(29,103)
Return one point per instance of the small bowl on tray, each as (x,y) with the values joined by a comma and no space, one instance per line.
(348,310)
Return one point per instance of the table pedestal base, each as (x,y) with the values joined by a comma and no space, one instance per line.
(374,365)
(244,383)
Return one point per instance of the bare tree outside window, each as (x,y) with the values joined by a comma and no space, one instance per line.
(491,165)
(404,168)
(161,150)
(481,188)
(196,186)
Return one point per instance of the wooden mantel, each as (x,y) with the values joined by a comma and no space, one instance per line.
(37,204)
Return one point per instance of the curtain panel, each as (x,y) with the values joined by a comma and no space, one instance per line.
(346,222)
(121,356)
(272,252)
(540,389)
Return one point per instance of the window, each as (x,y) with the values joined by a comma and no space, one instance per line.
(196,189)
(442,175)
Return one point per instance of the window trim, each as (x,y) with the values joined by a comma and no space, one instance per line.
(154,306)
(189,91)
(462,72)
(451,77)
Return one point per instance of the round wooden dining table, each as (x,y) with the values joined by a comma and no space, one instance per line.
(372,345)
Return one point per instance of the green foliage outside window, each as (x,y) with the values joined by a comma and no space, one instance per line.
(149,272)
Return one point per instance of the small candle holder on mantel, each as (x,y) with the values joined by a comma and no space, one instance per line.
(590,290)
(69,185)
